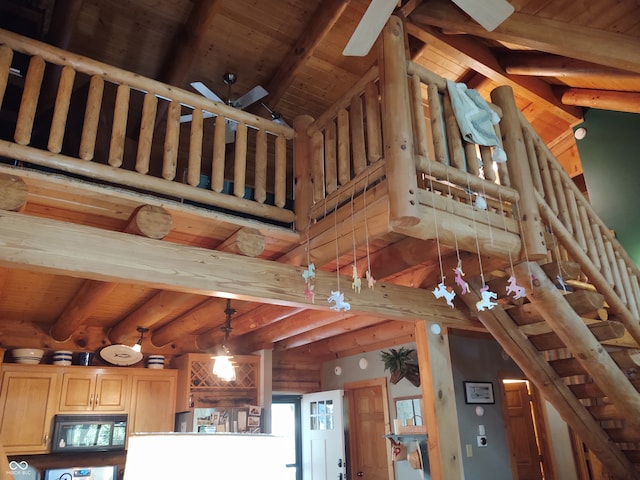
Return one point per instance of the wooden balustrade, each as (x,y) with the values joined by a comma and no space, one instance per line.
(166,156)
(581,234)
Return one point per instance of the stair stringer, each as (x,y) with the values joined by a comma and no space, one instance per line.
(532,362)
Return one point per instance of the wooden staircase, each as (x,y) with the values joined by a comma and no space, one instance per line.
(579,356)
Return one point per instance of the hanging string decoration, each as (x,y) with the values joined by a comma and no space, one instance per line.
(309,273)
(356,284)
(370,280)
(337,297)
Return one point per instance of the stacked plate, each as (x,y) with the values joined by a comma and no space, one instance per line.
(62,357)
(155,361)
(27,355)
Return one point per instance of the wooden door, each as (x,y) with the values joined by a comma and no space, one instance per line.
(323,455)
(111,393)
(153,401)
(77,391)
(368,414)
(521,432)
(27,410)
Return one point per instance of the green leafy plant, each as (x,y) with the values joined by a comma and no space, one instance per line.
(401,364)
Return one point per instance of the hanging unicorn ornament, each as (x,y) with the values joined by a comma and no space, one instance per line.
(485,303)
(338,298)
(308,274)
(443,291)
(370,280)
(356,284)
(464,286)
(516,290)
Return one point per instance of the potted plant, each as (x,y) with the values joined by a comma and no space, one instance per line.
(401,364)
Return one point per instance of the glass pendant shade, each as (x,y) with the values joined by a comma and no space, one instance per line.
(223,367)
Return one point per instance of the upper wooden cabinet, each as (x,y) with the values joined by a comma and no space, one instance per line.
(94,390)
(153,400)
(29,397)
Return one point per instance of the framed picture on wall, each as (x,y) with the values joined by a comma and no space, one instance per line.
(478,392)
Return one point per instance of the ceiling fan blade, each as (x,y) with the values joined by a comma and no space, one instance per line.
(205,91)
(252,96)
(370,26)
(489,13)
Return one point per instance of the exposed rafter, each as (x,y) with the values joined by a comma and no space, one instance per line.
(548,35)
(481,59)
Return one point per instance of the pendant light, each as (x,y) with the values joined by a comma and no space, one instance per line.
(137,347)
(223,367)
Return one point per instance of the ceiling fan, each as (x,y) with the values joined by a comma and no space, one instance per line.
(249,98)
(488,13)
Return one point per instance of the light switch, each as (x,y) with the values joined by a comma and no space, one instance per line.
(469,450)
(481,430)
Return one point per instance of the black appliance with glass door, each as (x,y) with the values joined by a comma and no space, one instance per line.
(89,433)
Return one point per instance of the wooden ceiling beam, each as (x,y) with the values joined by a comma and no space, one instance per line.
(481,59)
(547,65)
(562,38)
(149,221)
(328,330)
(602,99)
(246,241)
(322,21)
(52,246)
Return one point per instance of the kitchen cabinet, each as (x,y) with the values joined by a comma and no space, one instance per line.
(30,396)
(94,389)
(153,400)
(28,401)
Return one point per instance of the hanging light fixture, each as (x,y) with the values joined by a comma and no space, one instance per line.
(222,363)
(137,347)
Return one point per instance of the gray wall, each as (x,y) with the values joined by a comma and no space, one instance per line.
(473,359)
(481,360)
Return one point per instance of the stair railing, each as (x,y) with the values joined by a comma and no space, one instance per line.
(582,234)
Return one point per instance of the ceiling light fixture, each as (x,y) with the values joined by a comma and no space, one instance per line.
(137,347)
(223,366)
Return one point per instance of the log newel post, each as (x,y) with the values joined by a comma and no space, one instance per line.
(302,157)
(531,227)
(397,128)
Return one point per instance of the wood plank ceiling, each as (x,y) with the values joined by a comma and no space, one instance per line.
(559,57)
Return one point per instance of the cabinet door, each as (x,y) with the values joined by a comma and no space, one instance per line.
(153,400)
(77,391)
(105,392)
(28,403)
(111,392)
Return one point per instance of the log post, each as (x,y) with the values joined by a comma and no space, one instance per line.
(532,230)
(434,360)
(302,155)
(397,128)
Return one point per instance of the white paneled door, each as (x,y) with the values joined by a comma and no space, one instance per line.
(323,436)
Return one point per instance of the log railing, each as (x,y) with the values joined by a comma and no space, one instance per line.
(77,115)
(581,234)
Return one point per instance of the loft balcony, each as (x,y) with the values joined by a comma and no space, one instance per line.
(385,169)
